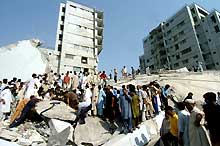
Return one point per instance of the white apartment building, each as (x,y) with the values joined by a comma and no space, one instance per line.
(79,37)
(189,36)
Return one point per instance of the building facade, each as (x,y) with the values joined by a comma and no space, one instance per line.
(188,37)
(79,37)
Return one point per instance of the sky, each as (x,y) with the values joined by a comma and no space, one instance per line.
(126,22)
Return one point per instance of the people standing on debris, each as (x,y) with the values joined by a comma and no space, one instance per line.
(142,106)
(115,75)
(75,82)
(59,81)
(199,66)
(32,86)
(155,97)
(94,99)
(66,81)
(5,104)
(183,124)
(165,127)
(4,84)
(198,135)
(26,110)
(164,95)
(172,136)
(84,107)
(212,112)
(101,101)
(51,77)
(135,106)
(146,95)
(125,108)
(110,105)
(124,72)
(103,78)
(133,73)
(84,80)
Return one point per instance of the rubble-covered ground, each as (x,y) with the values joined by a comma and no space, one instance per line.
(54,130)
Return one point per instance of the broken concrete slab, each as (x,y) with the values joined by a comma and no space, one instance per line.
(9,135)
(58,126)
(58,138)
(7,143)
(95,132)
(55,110)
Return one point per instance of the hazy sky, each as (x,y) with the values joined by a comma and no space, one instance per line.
(126,22)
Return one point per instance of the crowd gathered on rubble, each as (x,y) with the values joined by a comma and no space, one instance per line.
(89,94)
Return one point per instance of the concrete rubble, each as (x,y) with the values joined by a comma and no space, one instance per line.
(58,110)
(55,130)
(94,132)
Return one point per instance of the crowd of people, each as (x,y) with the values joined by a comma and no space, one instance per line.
(187,125)
(128,106)
(86,93)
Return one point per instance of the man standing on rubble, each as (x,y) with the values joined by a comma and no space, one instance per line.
(32,86)
(84,106)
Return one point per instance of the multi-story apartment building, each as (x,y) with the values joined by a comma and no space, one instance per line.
(188,37)
(79,37)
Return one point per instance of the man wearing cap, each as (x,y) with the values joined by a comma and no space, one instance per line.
(197,133)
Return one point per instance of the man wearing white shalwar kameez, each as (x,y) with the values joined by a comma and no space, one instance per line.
(5,104)
(32,86)
(183,125)
(198,135)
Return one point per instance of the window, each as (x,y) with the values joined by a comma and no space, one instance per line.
(181,33)
(187,50)
(181,24)
(167,24)
(176,46)
(176,64)
(197,35)
(60,37)
(185,61)
(168,32)
(69,56)
(213,19)
(177,57)
(210,40)
(195,57)
(148,60)
(59,47)
(195,19)
(62,18)
(216,28)
(193,10)
(84,60)
(61,27)
(175,38)
(63,9)
(183,42)
(201,47)
(162,52)
(217,63)
(202,12)
(73,6)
